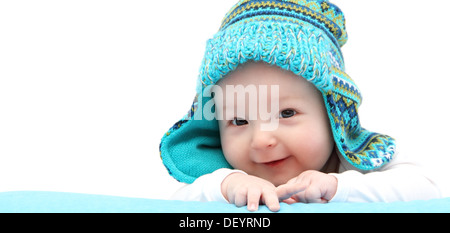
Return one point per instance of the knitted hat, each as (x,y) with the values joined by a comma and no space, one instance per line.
(302,36)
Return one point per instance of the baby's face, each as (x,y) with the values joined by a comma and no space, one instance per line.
(302,139)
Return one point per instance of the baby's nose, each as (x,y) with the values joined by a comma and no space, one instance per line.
(263,140)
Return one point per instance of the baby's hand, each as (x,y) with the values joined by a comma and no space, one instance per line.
(317,187)
(241,189)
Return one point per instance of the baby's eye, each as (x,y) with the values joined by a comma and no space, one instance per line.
(239,122)
(287,113)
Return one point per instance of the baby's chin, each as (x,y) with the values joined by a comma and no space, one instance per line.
(278,179)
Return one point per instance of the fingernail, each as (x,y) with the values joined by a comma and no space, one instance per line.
(276,209)
(253,207)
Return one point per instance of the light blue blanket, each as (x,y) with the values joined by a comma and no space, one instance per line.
(56,202)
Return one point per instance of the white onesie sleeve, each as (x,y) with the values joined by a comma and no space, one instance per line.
(205,188)
(400,180)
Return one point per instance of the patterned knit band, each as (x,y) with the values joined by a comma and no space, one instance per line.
(321,14)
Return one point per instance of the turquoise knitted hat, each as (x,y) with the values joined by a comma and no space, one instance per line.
(302,36)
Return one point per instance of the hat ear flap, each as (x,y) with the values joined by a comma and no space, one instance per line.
(363,149)
(192,147)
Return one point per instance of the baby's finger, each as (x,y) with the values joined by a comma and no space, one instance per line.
(270,199)
(290,201)
(314,195)
(285,191)
(292,180)
(253,197)
(240,198)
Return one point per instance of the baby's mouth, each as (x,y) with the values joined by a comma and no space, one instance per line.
(276,163)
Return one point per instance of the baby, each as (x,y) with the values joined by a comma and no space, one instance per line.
(301,144)
(310,146)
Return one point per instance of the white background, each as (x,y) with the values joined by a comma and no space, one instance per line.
(88,88)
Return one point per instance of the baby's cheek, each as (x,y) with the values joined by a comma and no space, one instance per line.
(232,151)
(314,149)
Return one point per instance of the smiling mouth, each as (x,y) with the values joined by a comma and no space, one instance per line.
(276,163)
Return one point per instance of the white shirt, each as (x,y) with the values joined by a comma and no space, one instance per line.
(399,180)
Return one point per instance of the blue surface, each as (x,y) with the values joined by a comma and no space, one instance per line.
(56,202)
